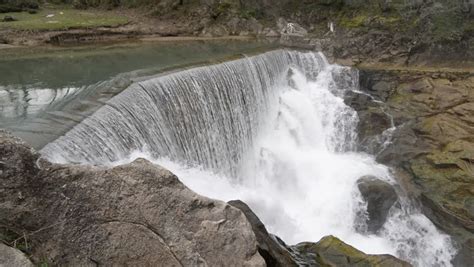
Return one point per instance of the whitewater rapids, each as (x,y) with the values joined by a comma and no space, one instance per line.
(271,130)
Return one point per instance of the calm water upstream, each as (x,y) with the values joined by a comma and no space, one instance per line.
(46,91)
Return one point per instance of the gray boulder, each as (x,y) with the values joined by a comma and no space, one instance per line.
(380,197)
(273,250)
(8,19)
(292,34)
(13,257)
(137,214)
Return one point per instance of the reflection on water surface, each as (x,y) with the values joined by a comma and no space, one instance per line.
(46,91)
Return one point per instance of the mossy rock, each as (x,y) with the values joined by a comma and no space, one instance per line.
(447,188)
(331,251)
(354,22)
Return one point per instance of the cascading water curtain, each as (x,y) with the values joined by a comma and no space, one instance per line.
(272,130)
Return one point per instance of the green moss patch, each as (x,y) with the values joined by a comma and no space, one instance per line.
(447,26)
(355,22)
(331,251)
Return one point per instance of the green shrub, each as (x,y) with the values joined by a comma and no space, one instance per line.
(17,5)
(221,8)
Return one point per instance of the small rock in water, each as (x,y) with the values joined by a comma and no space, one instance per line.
(50,15)
(380,197)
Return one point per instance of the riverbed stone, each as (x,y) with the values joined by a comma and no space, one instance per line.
(331,251)
(380,197)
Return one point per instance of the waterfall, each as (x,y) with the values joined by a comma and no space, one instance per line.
(272,130)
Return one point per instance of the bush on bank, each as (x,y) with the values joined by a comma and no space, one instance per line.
(17,5)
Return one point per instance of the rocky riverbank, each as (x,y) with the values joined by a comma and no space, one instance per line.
(430,143)
(377,31)
(137,214)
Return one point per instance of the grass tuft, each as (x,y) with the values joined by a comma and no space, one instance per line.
(65,17)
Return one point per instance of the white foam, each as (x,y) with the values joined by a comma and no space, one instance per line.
(303,185)
(271,130)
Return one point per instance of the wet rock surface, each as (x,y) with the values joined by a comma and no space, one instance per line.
(330,251)
(433,144)
(273,250)
(380,197)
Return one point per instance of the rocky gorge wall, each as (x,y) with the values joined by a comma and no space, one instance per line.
(431,146)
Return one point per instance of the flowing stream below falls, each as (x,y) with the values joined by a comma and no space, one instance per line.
(271,130)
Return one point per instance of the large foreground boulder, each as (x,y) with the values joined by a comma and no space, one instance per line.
(137,214)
